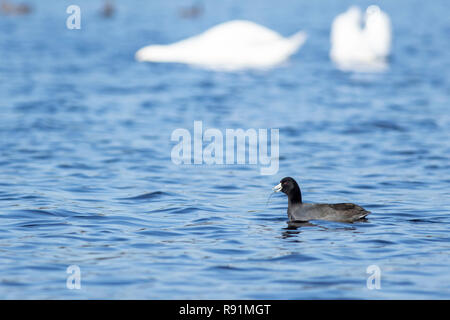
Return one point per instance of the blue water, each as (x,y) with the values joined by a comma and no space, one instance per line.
(86,176)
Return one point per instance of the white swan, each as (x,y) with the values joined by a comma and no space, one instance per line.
(231,45)
(357,48)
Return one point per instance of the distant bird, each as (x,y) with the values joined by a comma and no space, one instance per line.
(357,48)
(9,8)
(191,12)
(232,45)
(108,9)
(299,211)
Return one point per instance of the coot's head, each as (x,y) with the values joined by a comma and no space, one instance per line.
(290,187)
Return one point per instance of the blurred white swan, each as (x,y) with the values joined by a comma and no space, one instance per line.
(357,48)
(231,45)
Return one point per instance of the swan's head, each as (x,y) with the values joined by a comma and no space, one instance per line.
(373,16)
(372,10)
